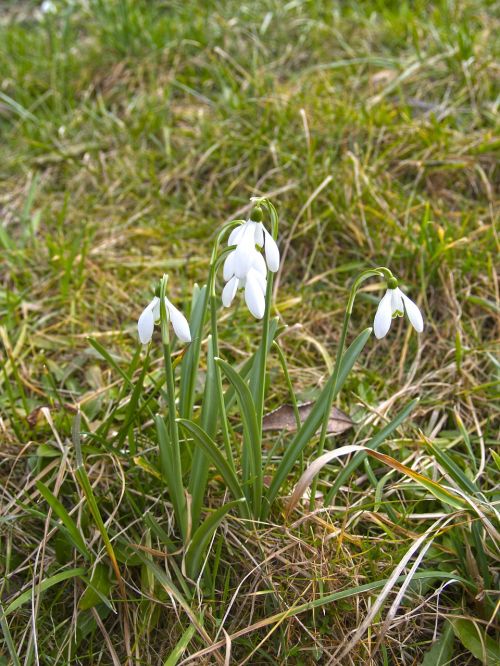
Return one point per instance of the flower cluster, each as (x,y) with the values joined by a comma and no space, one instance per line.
(246,267)
(252,252)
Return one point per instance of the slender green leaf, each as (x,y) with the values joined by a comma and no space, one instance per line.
(278,618)
(202,536)
(107,356)
(208,422)
(166,582)
(312,423)
(252,474)
(98,589)
(131,409)
(441,652)
(168,469)
(246,367)
(179,649)
(374,443)
(83,480)
(46,584)
(213,452)
(476,640)
(350,357)
(4,625)
(65,518)
(452,468)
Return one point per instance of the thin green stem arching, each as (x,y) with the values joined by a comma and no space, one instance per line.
(371,272)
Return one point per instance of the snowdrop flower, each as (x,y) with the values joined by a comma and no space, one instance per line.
(246,237)
(394,304)
(255,285)
(151,314)
(245,267)
(48,7)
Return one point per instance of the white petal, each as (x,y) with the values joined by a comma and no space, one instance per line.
(383,316)
(146,324)
(397,301)
(259,264)
(179,322)
(258,277)
(155,306)
(259,234)
(229,291)
(414,314)
(244,257)
(228,270)
(254,295)
(272,252)
(235,234)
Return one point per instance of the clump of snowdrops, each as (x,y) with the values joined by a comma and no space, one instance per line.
(195,436)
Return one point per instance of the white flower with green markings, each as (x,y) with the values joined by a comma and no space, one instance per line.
(151,314)
(246,267)
(395,304)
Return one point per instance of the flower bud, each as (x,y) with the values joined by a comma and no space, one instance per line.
(256,215)
(392,283)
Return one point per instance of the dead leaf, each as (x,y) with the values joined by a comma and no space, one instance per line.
(283,418)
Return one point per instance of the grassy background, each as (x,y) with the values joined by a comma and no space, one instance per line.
(130,132)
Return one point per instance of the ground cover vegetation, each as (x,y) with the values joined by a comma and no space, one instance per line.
(134,135)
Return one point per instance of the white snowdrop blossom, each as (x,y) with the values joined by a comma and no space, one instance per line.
(151,314)
(394,304)
(48,7)
(245,267)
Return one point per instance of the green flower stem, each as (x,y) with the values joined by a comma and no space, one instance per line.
(381,271)
(214,264)
(178,497)
(258,377)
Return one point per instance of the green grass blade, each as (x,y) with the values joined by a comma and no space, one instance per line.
(374,443)
(252,445)
(452,468)
(132,407)
(202,536)
(179,649)
(246,367)
(83,480)
(4,625)
(165,581)
(65,518)
(46,584)
(293,611)
(441,652)
(312,423)
(107,357)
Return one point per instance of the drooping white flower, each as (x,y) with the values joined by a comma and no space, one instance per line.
(48,7)
(246,237)
(246,267)
(394,304)
(255,285)
(151,314)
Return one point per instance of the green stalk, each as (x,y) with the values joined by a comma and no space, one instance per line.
(178,497)
(215,353)
(211,404)
(370,272)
